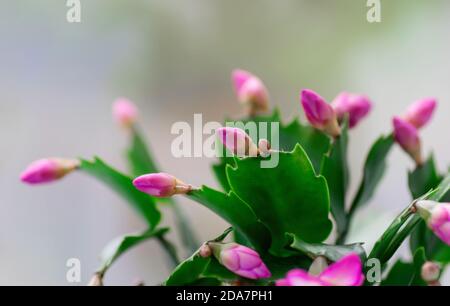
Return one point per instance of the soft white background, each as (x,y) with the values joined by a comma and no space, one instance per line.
(174,57)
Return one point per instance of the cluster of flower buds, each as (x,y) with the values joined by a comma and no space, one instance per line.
(161,185)
(237,258)
(345,272)
(355,106)
(250,91)
(325,117)
(48,170)
(406,127)
(437,217)
(125,112)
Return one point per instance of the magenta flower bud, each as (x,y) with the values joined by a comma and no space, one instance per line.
(407,137)
(345,272)
(240,259)
(420,112)
(319,113)
(437,216)
(430,272)
(356,106)
(205,251)
(161,185)
(48,170)
(125,112)
(237,141)
(250,91)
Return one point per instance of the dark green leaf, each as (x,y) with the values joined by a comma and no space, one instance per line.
(122,244)
(236,212)
(122,184)
(289,198)
(314,142)
(423,178)
(335,170)
(374,168)
(407,274)
(331,252)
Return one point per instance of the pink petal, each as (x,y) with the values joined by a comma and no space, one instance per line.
(345,272)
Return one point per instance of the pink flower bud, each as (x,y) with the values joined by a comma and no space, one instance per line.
(251,91)
(48,170)
(205,251)
(407,137)
(237,141)
(345,272)
(161,185)
(430,272)
(420,112)
(240,259)
(125,112)
(356,106)
(319,113)
(437,216)
(264,147)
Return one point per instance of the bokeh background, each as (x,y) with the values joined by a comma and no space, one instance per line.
(174,58)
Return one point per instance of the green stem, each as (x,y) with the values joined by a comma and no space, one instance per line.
(170,250)
(184,228)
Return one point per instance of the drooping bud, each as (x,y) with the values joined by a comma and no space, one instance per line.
(250,91)
(319,113)
(205,251)
(264,147)
(345,272)
(48,170)
(125,112)
(237,141)
(407,137)
(430,272)
(356,106)
(420,112)
(437,217)
(240,259)
(161,185)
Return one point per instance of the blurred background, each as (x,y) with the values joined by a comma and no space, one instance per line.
(174,58)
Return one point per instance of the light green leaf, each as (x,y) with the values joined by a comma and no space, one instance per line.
(139,157)
(331,252)
(374,168)
(289,198)
(122,244)
(335,170)
(122,184)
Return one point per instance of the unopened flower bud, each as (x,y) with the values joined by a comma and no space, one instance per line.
(407,137)
(430,272)
(356,106)
(264,147)
(205,251)
(240,259)
(420,112)
(161,185)
(125,112)
(437,217)
(250,91)
(48,170)
(319,113)
(237,141)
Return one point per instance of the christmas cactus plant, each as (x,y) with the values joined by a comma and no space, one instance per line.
(289,219)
